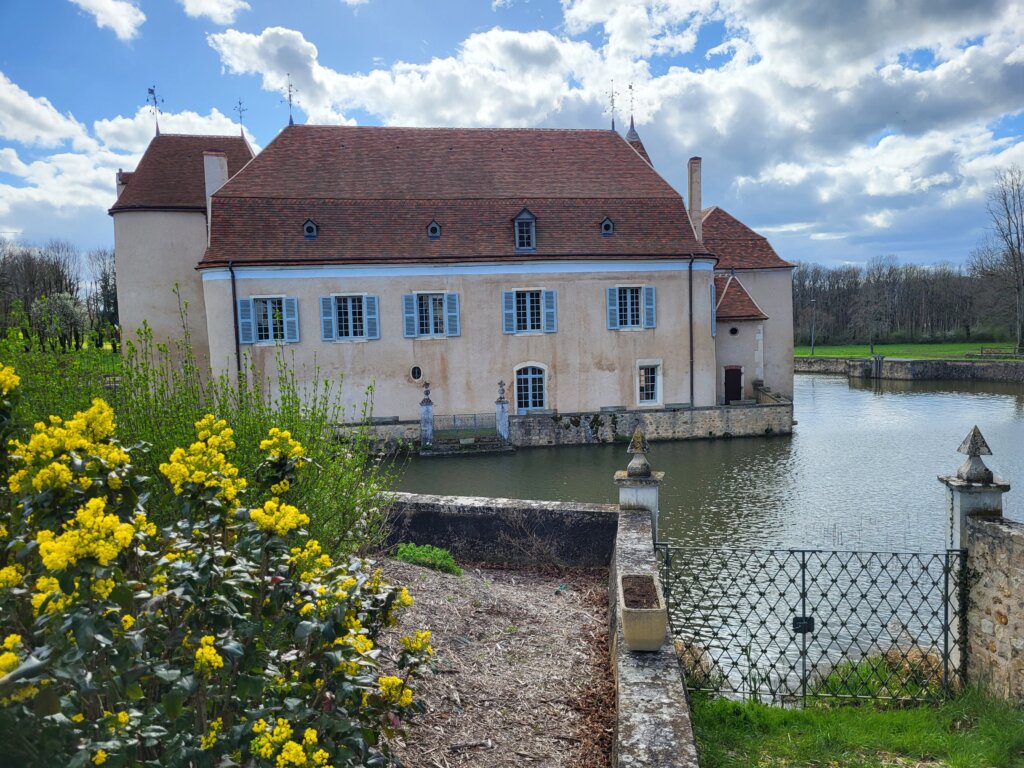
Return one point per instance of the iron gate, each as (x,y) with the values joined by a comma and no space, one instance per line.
(784,625)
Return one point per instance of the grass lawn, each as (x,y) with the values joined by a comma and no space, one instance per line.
(918,351)
(968,732)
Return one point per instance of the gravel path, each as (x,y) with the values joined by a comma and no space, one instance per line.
(522,669)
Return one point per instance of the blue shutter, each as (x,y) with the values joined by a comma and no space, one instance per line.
(409,315)
(550,312)
(372,323)
(613,309)
(508,311)
(650,315)
(714,309)
(327,318)
(291,319)
(451,314)
(246,328)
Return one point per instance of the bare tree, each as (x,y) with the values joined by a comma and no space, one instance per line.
(1006,212)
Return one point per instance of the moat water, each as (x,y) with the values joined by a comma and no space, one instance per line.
(859,471)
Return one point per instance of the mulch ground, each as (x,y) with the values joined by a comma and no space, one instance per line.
(522,673)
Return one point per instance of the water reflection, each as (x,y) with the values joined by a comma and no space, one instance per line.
(858,473)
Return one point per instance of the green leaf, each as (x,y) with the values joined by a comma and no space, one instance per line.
(134,692)
(28,668)
(304,630)
(171,703)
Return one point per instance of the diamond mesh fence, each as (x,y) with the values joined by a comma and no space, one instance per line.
(782,626)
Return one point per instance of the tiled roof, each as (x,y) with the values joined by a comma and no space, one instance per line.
(735,244)
(633,139)
(170,174)
(373,191)
(734,303)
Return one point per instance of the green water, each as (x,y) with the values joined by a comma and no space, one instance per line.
(859,472)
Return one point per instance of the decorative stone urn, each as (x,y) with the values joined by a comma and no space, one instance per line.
(642,611)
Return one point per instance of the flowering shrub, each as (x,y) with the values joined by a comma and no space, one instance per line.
(229,638)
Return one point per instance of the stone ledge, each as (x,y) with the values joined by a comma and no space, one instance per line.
(653,727)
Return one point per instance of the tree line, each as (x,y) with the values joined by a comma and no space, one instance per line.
(886,301)
(58,297)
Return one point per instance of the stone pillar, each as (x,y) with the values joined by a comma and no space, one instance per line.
(972,491)
(501,413)
(426,417)
(638,485)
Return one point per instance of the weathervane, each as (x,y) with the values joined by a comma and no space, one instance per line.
(292,90)
(154,102)
(241,110)
(611,101)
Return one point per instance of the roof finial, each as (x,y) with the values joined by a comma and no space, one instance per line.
(631,106)
(611,102)
(974,470)
(241,110)
(638,465)
(292,90)
(154,102)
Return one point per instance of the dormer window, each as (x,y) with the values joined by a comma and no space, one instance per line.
(434,230)
(607,227)
(526,231)
(310,229)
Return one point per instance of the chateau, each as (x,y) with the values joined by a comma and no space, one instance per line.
(558,261)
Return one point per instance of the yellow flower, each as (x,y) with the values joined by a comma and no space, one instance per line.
(320,757)
(207,741)
(92,533)
(392,690)
(419,642)
(292,753)
(9,380)
(207,658)
(11,642)
(307,609)
(127,621)
(281,445)
(78,718)
(103,587)
(278,518)
(56,475)
(100,757)
(204,463)
(8,662)
(11,575)
(123,719)
(309,736)
(404,598)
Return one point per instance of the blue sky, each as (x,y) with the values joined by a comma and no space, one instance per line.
(840,130)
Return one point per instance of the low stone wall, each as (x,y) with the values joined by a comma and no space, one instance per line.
(664,424)
(995,613)
(507,531)
(916,370)
(653,725)
(820,365)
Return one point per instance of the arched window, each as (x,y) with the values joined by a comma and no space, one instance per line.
(531,393)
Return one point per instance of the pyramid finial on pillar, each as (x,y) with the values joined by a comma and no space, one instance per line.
(974,470)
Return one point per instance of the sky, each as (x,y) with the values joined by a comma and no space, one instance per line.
(840,130)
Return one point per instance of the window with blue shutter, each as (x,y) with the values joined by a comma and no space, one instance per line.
(631,306)
(508,311)
(409,315)
(291,320)
(372,317)
(451,314)
(246,332)
(650,313)
(550,312)
(327,318)
(613,309)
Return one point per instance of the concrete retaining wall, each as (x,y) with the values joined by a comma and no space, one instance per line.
(995,613)
(666,424)
(916,370)
(507,531)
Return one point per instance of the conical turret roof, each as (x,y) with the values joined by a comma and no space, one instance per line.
(633,138)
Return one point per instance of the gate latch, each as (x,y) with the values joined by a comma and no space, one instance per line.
(802,625)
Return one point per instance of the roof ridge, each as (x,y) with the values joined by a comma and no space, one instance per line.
(442,128)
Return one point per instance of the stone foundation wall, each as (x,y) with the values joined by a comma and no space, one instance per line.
(995,613)
(665,424)
(915,370)
(507,531)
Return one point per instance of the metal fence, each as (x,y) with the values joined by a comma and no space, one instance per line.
(785,625)
(473,423)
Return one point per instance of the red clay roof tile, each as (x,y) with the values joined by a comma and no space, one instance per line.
(170,174)
(734,303)
(735,244)
(373,191)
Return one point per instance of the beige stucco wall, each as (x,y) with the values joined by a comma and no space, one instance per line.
(153,250)
(772,289)
(740,350)
(588,366)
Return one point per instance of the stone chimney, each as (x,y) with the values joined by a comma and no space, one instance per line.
(215,168)
(122,181)
(693,197)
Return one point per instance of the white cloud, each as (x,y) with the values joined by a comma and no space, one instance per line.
(133,134)
(34,121)
(355,2)
(121,16)
(217,11)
